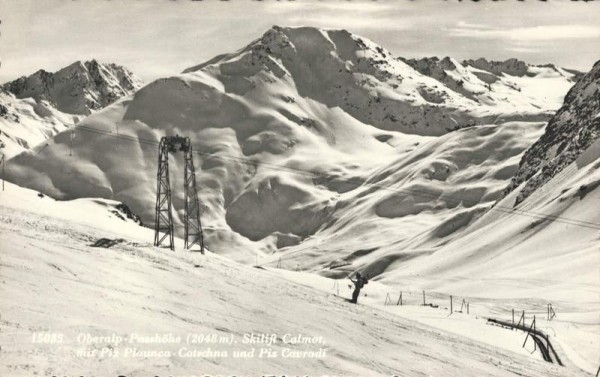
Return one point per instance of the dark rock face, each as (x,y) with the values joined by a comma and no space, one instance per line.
(123,209)
(79,88)
(436,69)
(512,67)
(568,134)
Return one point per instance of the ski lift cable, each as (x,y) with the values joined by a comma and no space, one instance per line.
(391,188)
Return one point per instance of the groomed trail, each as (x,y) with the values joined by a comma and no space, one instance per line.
(53,279)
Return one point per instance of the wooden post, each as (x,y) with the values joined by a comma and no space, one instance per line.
(513,311)
(532,326)
(71,143)
(522,319)
(451,311)
(423,297)
(467,308)
(400,299)
(3,172)
(534,343)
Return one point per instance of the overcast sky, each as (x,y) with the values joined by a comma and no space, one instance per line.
(158,38)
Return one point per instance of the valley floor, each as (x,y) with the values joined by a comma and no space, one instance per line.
(52,280)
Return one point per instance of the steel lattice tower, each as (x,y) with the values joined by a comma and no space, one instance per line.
(164,219)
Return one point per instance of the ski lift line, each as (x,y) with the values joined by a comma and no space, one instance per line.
(413,192)
(312,174)
(504,209)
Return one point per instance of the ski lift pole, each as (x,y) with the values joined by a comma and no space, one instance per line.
(2,145)
(2,172)
(71,143)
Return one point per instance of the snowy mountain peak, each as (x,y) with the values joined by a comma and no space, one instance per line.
(310,101)
(519,68)
(513,67)
(79,88)
(418,96)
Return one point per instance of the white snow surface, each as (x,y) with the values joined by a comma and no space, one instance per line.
(293,128)
(33,109)
(544,251)
(54,281)
(295,171)
(28,122)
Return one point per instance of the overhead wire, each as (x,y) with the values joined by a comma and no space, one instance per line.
(315,174)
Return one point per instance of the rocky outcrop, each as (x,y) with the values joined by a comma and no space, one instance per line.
(80,88)
(568,134)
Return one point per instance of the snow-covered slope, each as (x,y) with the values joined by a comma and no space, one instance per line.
(574,128)
(93,281)
(505,86)
(425,97)
(318,151)
(35,108)
(416,203)
(25,123)
(543,251)
(539,243)
(291,133)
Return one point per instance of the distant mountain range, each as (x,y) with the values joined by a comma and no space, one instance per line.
(319,151)
(310,136)
(35,108)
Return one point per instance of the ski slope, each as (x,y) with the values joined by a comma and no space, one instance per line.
(53,280)
(360,163)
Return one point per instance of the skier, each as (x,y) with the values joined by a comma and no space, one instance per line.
(358,284)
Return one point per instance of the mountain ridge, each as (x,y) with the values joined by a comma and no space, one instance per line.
(328,104)
(78,88)
(387,85)
(572,130)
(36,107)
